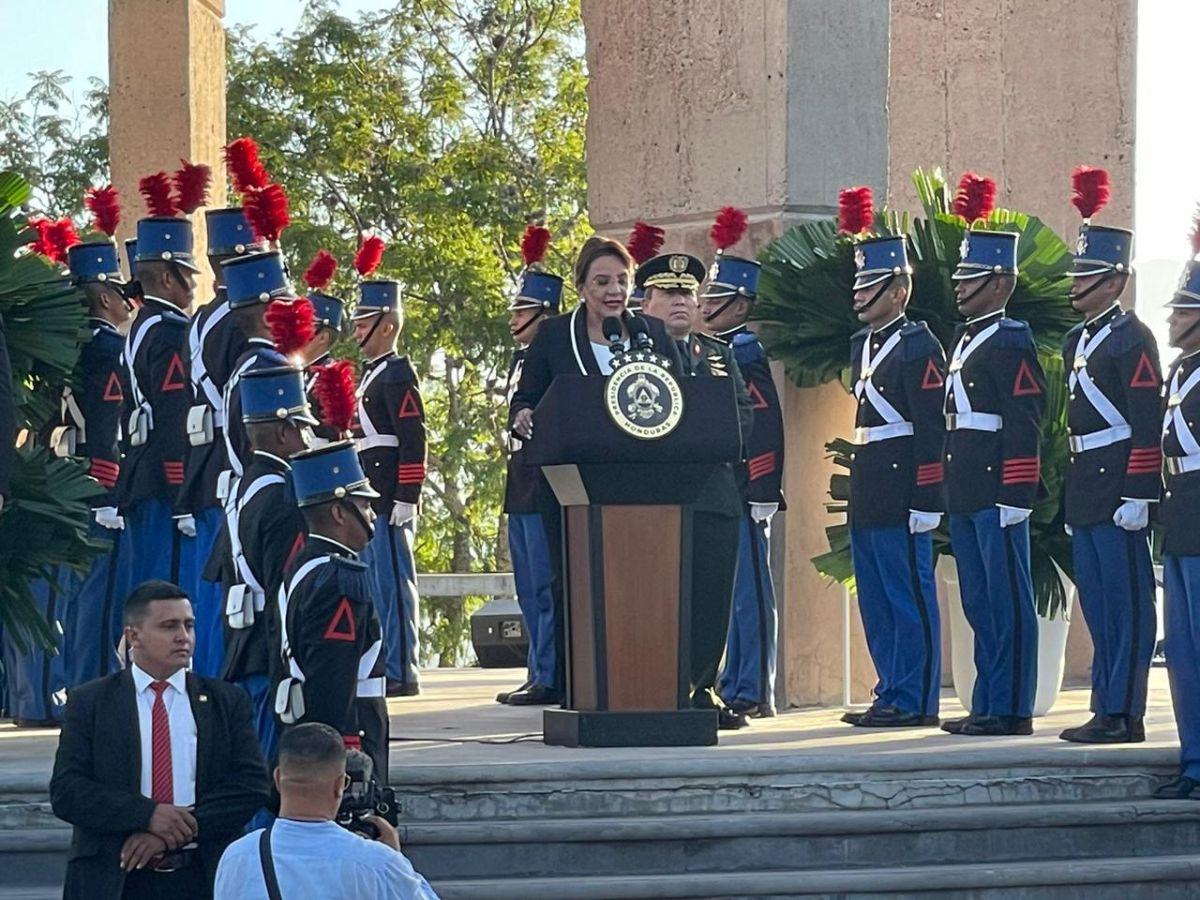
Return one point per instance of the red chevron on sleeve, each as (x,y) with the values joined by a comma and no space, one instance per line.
(409,408)
(763,464)
(933,377)
(411,473)
(1025,384)
(342,626)
(1145,375)
(175,379)
(758,401)
(105,472)
(1024,470)
(112,390)
(930,473)
(1144,461)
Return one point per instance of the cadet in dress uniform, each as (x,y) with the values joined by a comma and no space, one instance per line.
(332,640)
(391,418)
(538,297)
(266,531)
(329,314)
(748,680)
(157,403)
(897,369)
(1114,416)
(669,283)
(995,394)
(1181,537)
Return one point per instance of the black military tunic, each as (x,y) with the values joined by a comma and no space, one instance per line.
(899,426)
(525,487)
(392,432)
(1114,393)
(763,476)
(101,392)
(1181,459)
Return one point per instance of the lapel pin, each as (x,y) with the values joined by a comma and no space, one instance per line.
(203,698)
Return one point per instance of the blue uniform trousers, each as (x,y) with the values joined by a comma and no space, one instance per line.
(156,546)
(1181,577)
(92,617)
(534,577)
(997,596)
(751,647)
(897,597)
(35,682)
(208,597)
(262,710)
(389,557)
(1116,591)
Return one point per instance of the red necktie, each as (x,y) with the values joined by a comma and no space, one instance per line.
(162,786)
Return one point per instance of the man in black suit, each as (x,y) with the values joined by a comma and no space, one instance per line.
(157,769)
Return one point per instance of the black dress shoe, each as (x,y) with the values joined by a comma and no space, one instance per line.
(852,717)
(743,707)
(1181,788)
(1104,730)
(35,723)
(1067,734)
(955,726)
(729,719)
(537,695)
(402,688)
(763,711)
(891,717)
(503,696)
(993,726)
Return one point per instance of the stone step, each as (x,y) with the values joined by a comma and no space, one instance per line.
(1122,878)
(753,842)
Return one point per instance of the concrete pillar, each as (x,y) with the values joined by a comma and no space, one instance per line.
(773,106)
(167,98)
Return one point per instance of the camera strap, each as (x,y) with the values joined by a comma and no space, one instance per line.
(268,864)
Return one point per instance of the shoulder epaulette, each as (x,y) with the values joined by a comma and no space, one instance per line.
(747,349)
(1129,333)
(400,369)
(918,341)
(1014,333)
(350,565)
(860,335)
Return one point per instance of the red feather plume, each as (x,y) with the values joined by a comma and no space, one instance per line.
(245,168)
(644,241)
(321,270)
(43,245)
(156,189)
(730,225)
(856,210)
(62,235)
(975,198)
(293,324)
(191,186)
(267,210)
(1090,186)
(534,244)
(369,256)
(105,207)
(335,393)
(1195,235)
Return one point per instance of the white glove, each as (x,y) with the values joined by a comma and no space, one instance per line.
(762,512)
(108,517)
(1132,515)
(186,525)
(921,522)
(402,512)
(1011,515)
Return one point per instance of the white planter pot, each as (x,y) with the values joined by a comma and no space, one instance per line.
(1052,643)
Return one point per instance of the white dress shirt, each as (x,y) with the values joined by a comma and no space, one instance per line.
(183,733)
(319,859)
(604,356)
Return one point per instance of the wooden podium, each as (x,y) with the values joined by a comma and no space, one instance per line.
(627,558)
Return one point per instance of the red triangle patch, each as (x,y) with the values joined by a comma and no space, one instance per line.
(341,627)
(756,396)
(112,390)
(1025,384)
(175,379)
(409,406)
(933,377)
(1145,375)
(297,546)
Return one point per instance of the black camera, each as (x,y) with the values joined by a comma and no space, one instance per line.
(364,797)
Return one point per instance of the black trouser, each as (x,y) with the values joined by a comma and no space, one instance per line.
(375,727)
(714,564)
(190,883)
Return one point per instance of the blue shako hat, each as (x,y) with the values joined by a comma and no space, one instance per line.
(165,239)
(731,275)
(1187,295)
(329,473)
(257,278)
(877,259)
(274,394)
(329,311)
(95,262)
(1102,249)
(229,233)
(538,289)
(131,257)
(375,297)
(986,253)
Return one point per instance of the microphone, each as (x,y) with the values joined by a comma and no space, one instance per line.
(638,334)
(611,326)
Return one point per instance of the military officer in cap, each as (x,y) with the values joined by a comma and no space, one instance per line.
(266,532)
(391,417)
(1114,416)
(525,496)
(748,680)
(670,283)
(332,639)
(995,394)
(897,369)
(1180,536)
(156,407)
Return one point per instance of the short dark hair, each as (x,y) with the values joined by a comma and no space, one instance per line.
(146,593)
(313,745)
(594,248)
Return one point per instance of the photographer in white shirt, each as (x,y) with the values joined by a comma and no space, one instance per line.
(311,855)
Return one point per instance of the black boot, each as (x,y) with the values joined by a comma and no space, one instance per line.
(1104,730)
(994,726)
(1181,788)
(956,726)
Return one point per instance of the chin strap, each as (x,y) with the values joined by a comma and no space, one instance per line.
(541,312)
(883,286)
(1099,281)
(736,295)
(368,528)
(366,337)
(983,282)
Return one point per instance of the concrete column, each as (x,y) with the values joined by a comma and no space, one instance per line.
(773,106)
(167,98)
